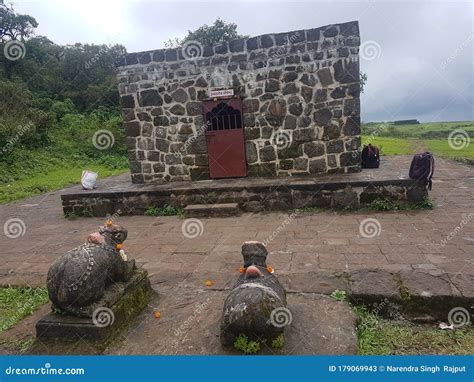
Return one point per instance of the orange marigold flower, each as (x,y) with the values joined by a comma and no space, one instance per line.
(108,223)
(270,269)
(157,314)
(242,269)
(209,283)
(119,246)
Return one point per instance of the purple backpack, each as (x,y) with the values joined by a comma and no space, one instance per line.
(422,168)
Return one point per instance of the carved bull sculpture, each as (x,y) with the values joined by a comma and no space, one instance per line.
(257,301)
(78,279)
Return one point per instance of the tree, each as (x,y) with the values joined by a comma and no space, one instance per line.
(207,35)
(14,26)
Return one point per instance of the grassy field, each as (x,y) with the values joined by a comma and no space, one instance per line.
(410,139)
(429,130)
(27,171)
(51,180)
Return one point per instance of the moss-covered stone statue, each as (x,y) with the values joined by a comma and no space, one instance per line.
(256,306)
(78,279)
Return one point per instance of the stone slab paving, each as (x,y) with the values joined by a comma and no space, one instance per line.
(429,252)
(309,242)
(329,241)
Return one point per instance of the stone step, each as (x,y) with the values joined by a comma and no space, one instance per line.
(212,210)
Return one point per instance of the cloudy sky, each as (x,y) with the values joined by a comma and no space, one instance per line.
(419,55)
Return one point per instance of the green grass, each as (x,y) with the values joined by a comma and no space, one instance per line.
(166,210)
(51,180)
(306,210)
(381,337)
(390,205)
(390,146)
(338,295)
(17,303)
(442,148)
(410,139)
(409,146)
(429,130)
(61,158)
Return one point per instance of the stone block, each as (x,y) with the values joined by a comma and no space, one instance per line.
(267,154)
(317,166)
(199,173)
(345,199)
(325,77)
(132,129)
(194,108)
(251,152)
(335,146)
(121,303)
(262,170)
(272,85)
(350,158)
(149,97)
(294,150)
(290,122)
(127,102)
(314,149)
(250,105)
(304,135)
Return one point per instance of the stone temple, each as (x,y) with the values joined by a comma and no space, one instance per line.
(258,124)
(275,105)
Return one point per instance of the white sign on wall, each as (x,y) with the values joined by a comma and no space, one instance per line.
(221,93)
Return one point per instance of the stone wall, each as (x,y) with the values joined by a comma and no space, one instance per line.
(300,93)
(262,197)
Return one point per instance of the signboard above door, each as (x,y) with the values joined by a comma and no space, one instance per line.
(221,93)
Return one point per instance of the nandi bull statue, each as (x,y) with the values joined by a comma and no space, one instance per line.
(78,279)
(256,306)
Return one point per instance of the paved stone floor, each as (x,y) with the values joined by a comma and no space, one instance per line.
(323,241)
(393,169)
(306,250)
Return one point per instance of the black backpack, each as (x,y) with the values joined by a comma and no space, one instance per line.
(422,168)
(370,156)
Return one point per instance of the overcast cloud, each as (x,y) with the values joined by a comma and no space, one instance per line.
(418,55)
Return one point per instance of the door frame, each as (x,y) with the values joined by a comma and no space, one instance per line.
(225,130)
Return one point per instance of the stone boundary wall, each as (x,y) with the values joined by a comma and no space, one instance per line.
(300,93)
(298,194)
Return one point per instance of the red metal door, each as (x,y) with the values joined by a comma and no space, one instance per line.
(225,138)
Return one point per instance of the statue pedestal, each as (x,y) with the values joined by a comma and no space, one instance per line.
(120,304)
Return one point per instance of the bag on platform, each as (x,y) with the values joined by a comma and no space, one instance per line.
(88,180)
(370,156)
(422,168)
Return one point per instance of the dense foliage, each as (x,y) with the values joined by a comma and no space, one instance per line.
(220,31)
(53,99)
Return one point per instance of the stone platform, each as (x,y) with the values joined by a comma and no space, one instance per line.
(190,324)
(340,191)
(119,305)
(319,325)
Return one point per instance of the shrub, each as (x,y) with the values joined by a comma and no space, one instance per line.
(246,346)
